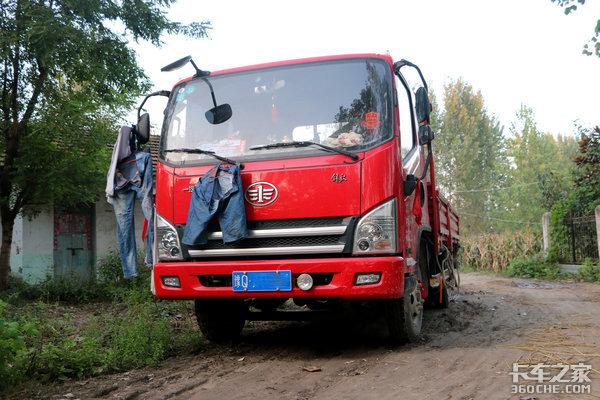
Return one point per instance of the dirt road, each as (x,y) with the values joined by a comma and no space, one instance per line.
(467,352)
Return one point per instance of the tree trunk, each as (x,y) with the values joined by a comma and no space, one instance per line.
(8,224)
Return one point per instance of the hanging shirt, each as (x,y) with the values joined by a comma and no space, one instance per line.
(121,150)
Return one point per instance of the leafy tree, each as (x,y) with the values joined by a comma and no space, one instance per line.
(66,76)
(469,154)
(539,170)
(587,171)
(593,47)
(584,193)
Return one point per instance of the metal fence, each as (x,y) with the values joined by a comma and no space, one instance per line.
(583,242)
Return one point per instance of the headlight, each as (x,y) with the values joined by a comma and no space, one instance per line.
(376,232)
(167,240)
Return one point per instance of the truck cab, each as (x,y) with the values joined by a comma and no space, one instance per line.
(339,192)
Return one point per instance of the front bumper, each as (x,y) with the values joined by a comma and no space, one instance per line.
(341,285)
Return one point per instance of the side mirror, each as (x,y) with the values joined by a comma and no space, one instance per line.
(176,64)
(423,105)
(426,134)
(142,129)
(219,114)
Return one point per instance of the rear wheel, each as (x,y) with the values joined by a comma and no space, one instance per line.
(439,296)
(220,320)
(404,316)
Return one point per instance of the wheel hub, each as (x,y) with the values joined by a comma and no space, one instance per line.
(415,304)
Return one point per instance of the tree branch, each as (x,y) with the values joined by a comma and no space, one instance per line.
(5,108)
(20,200)
(15,59)
(37,89)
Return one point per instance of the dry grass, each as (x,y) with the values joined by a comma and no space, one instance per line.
(561,344)
(494,251)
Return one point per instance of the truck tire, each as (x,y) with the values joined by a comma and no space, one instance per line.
(404,316)
(220,320)
(423,261)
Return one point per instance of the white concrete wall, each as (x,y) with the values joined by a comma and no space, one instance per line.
(106,229)
(32,250)
(16,250)
(38,247)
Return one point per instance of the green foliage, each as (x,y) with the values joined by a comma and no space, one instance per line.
(587,172)
(109,286)
(498,182)
(142,338)
(559,231)
(51,342)
(51,339)
(469,154)
(590,271)
(110,270)
(593,46)
(533,267)
(539,174)
(584,194)
(67,358)
(13,350)
(67,77)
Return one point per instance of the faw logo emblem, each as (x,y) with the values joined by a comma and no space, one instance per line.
(261,194)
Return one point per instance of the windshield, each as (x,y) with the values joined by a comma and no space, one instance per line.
(345,104)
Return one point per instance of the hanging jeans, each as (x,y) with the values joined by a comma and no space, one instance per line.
(133,180)
(218,193)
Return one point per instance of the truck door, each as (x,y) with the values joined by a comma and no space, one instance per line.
(414,156)
(410,161)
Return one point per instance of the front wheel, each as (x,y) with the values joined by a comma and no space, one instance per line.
(220,320)
(405,316)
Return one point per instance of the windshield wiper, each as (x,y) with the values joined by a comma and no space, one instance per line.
(306,143)
(207,152)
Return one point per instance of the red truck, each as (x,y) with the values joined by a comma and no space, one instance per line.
(340,194)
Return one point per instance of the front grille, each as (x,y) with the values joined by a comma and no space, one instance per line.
(273,242)
(278,238)
(295,223)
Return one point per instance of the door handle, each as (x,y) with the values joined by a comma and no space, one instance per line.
(73,249)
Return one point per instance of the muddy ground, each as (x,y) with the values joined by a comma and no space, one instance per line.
(467,352)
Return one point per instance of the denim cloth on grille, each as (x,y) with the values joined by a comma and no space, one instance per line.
(127,172)
(134,179)
(218,193)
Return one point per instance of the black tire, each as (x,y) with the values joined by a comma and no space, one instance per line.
(220,320)
(404,316)
(433,294)
(423,265)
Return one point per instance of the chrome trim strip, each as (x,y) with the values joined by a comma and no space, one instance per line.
(271,251)
(288,232)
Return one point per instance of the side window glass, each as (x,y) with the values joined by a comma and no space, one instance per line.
(407,138)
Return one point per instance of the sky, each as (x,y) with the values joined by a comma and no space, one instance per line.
(515,51)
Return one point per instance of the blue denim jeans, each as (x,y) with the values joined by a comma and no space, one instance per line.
(218,193)
(124,205)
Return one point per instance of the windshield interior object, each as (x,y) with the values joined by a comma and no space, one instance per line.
(346,104)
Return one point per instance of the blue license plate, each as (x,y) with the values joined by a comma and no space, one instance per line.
(261,281)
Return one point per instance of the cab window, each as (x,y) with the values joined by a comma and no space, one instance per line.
(407,135)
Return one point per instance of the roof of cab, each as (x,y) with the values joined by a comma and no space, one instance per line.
(384,57)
